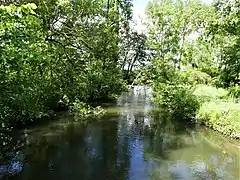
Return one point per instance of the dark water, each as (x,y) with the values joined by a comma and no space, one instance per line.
(131,142)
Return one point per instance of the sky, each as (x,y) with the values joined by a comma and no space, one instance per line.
(139,7)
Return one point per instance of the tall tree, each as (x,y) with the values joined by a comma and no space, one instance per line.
(58,50)
(227,31)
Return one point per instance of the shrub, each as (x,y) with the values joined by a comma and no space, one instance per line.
(177,99)
(82,110)
(196,77)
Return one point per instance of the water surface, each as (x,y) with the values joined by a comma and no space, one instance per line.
(132,142)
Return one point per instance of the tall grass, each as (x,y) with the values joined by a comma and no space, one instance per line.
(234,92)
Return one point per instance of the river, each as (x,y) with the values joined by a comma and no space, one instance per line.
(132,142)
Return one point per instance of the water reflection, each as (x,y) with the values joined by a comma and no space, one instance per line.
(134,142)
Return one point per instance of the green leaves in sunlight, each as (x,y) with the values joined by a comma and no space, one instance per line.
(195,62)
(57,50)
(18,10)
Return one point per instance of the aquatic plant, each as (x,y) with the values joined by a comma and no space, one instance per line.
(82,110)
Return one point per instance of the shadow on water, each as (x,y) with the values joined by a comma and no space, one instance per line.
(133,141)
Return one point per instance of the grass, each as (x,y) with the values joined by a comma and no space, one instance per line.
(218,110)
(222,116)
(209,93)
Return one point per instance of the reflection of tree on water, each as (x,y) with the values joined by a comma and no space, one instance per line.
(184,155)
(133,120)
(14,166)
(164,134)
(77,152)
(135,144)
(11,157)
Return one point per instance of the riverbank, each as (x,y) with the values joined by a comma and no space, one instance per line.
(221,116)
(218,110)
(213,107)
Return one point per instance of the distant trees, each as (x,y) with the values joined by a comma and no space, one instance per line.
(192,43)
(191,34)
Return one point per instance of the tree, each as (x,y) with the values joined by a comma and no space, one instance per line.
(227,30)
(134,52)
(58,51)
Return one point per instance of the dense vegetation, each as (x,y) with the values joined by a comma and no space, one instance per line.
(61,53)
(56,53)
(195,65)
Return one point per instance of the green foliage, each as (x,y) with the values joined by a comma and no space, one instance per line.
(211,57)
(194,76)
(170,24)
(234,92)
(82,110)
(24,66)
(143,76)
(55,52)
(208,93)
(214,47)
(223,36)
(177,99)
(133,53)
(218,111)
(221,116)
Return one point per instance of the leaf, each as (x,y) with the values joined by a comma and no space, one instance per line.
(33,6)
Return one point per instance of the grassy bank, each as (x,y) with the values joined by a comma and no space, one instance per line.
(222,116)
(219,109)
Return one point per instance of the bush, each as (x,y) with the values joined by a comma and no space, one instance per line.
(82,110)
(193,77)
(221,116)
(178,99)
(218,111)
